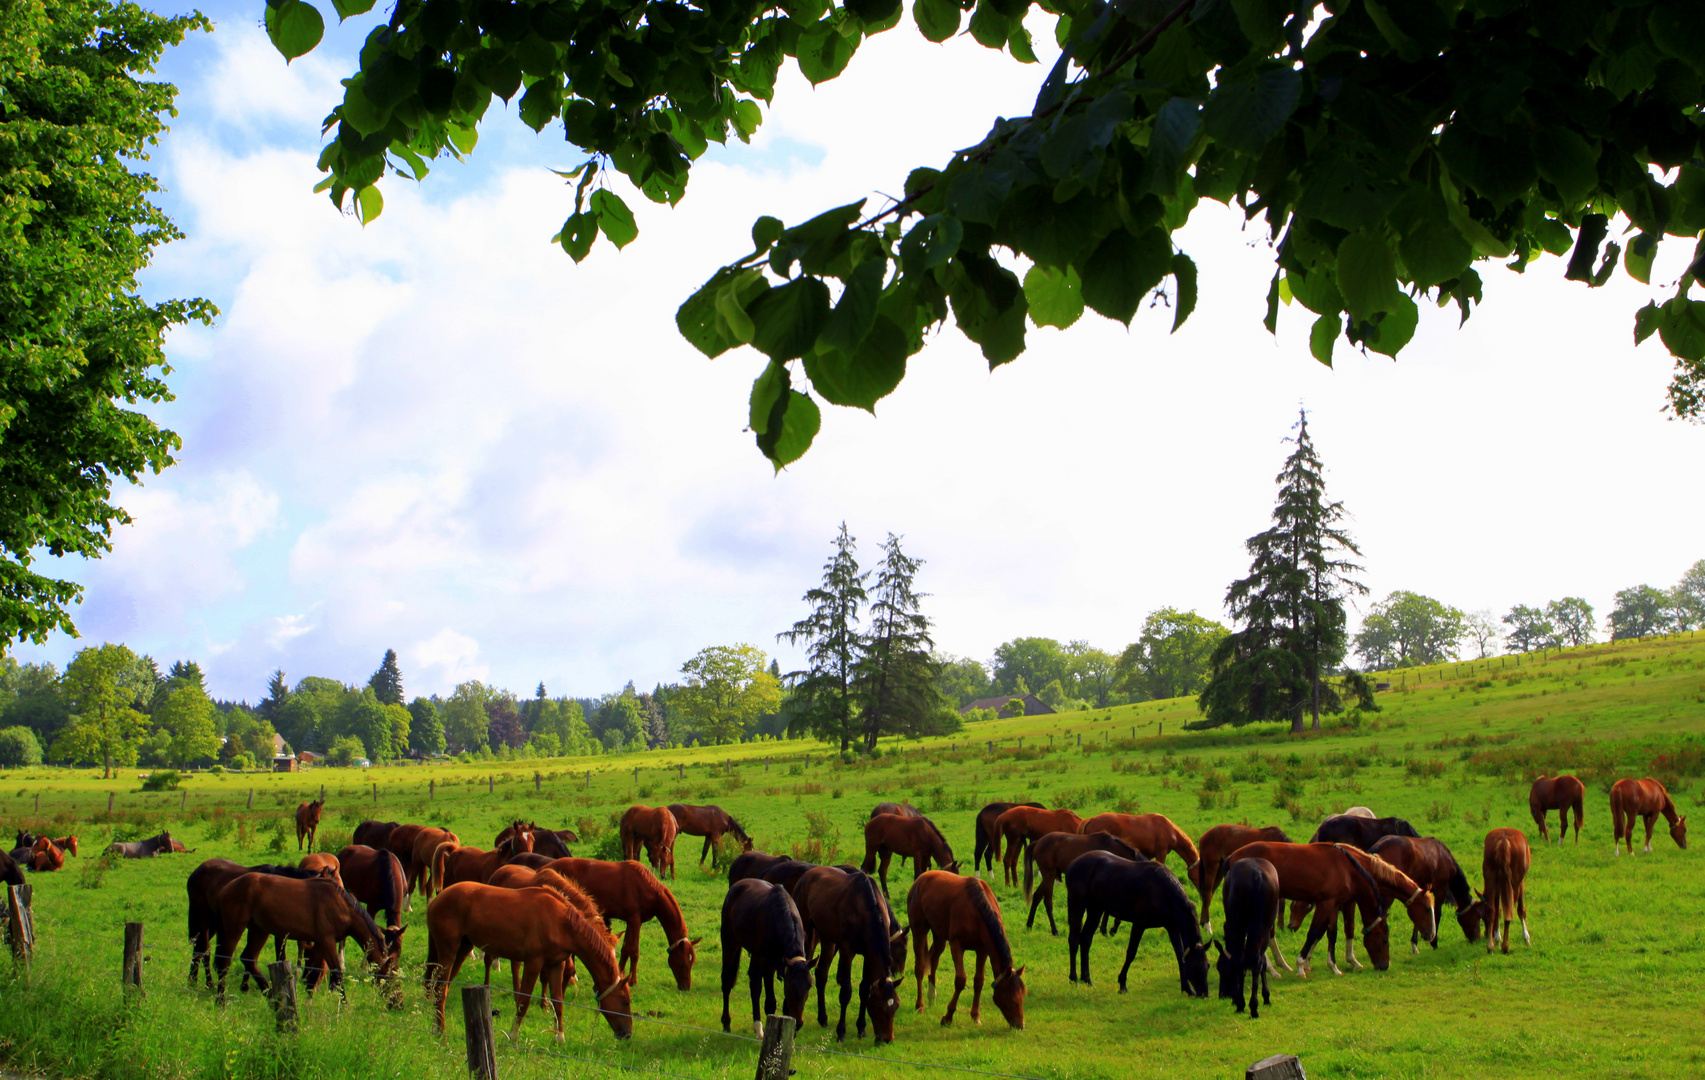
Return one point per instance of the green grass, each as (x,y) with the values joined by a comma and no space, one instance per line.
(1610,987)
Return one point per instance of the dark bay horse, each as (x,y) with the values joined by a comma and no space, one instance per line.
(631,893)
(762,920)
(1431,865)
(202,889)
(1022,826)
(988,843)
(845,914)
(712,823)
(551,843)
(375,877)
(753,864)
(887,835)
(143,849)
(1559,793)
(308,821)
(1630,799)
(1100,883)
(10,872)
(654,828)
(1216,844)
(903,809)
(1058,850)
(944,910)
(372,833)
(1251,914)
(1504,864)
(315,910)
(785,874)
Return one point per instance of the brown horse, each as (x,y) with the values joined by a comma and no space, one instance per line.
(376,878)
(203,886)
(1339,877)
(1430,863)
(846,915)
(308,821)
(753,864)
(426,844)
(67,844)
(315,910)
(655,828)
(1058,850)
(631,893)
(452,863)
(399,841)
(538,927)
(46,856)
(323,865)
(903,809)
(1630,799)
(1217,843)
(1504,866)
(946,909)
(1022,826)
(1152,834)
(888,835)
(988,844)
(1559,793)
(712,823)
(372,833)
(551,843)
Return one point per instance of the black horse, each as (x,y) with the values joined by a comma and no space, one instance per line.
(987,842)
(143,849)
(763,920)
(372,833)
(1360,832)
(846,914)
(1146,895)
(1251,895)
(786,873)
(752,864)
(11,871)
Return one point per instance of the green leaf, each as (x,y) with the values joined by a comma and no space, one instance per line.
(697,319)
(1018,44)
(464,138)
(1568,161)
(346,8)
(855,312)
(1244,114)
(1367,275)
(614,217)
(1322,337)
(793,426)
(869,374)
(1681,325)
(1646,321)
(1433,250)
(1055,296)
(938,20)
(1637,260)
(989,27)
(747,117)
(1396,327)
(360,110)
(733,300)
(295,28)
(873,12)
(1123,270)
(768,390)
(988,306)
(1184,273)
(823,52)
(765,231)
(1175,127)
(788,318)
(1315,290)
(388,80)
(369,204)
(578,233)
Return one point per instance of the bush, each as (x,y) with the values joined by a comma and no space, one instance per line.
(240,762)
(162,780)
(18,746)
(344,751)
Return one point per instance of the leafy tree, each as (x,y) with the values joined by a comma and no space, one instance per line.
(400,721)
(426,727)
(1530,628)
(1093,674)
(1390,147)
(299,722)
(387,682)
(466,724)
(1687,599)
(1014,707)
(188,715)
(961,680)
(103,727)
(246,732)
(1640,611)
(1054,696)
(825,700)
(80,343)
(1172,657)
(1481,628)
(271,707)
(18,746)
(142,679)
(503,724)
(33,699)
(896,676)
(345,751)
(1291,606)
(1026,662)
(727,687)
(655,726)
(1573,618)
(362,715)
(187,671)
(1406,629)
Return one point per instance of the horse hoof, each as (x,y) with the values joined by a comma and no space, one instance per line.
(947,1021)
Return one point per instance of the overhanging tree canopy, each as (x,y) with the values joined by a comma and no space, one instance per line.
(1391,147)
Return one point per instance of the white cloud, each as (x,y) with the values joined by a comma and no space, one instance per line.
(452,657)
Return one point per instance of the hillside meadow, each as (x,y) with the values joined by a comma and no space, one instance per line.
(1611,987)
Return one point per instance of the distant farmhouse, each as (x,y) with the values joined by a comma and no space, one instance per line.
(1033,705)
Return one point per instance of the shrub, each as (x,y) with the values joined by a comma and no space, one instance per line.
(1437,812)
(162,780)
(18,746)
(94,872)
(345,750)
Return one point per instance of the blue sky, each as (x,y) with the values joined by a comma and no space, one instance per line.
(439,435)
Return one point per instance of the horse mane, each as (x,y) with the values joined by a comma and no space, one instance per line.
(358,912)
(391,899)
(279,870)
(735,828)
(1380,869)
(876,937)
(1278,834)
(578,904)
(779,898)
(1398,827)
(932,828)
(991,923)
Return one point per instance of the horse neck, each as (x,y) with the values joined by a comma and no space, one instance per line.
(1184,846)
(667,911)
(1668,809)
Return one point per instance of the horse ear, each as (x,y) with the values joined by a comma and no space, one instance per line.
(1218,950)
(1018,973)
(695,941)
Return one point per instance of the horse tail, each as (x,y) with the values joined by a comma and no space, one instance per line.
(1503,859)
(392,884)
(625,832)
(435,866)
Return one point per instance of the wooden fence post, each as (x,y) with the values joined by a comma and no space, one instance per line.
(679,773)
(776,1056)
(132,973)
(375,793)
(20,924)
(38,802)
(282,993)
(536,779)
(432,789)
(1277,1067)
(588,779)
(490,784)
(636,774)
(322,793)
(251,800)
(476,1018)
(109,801)
(184,805)
(1080,740)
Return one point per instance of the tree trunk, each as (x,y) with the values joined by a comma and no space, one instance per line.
(1316,701)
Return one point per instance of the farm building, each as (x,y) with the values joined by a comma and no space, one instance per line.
(284,763)
(1033,705)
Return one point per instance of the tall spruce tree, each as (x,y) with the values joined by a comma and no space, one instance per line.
(825,697)
(387,682)
(897,677)
(1290,608)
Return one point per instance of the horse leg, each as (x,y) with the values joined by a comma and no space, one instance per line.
(920,961)
(524,996)
(553,992)
(1273,942)
(1036,900)
(1048,904)
(730,973)
(1316,930)
(958,983)
(222,957)
(843,977)
(630,951)
(1350,937)
(1205,886)
(1130,954)
(935,962)
(333,961)
(257,940)
(1521,912)
(1539,819)
(823,959)
(1092,916)
(1651,819)
(882,869)
(977,987)
(753,981)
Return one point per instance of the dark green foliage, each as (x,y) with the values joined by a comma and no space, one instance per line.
(823,701)
(387,682)
(187,671)
(426,727)
(18,746)
(896,676)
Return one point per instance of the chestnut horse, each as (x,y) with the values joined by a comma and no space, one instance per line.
(67,844)
(1356,830)
(1504,866)
(551,843)
(887,835)
(1146,894)
(654,827)
(763,920)
(46,856)
(845,914)
(1056,851)
(202,887)
(1431,864)
(375,877)
(308,821)
(315,910)
(1559,793)
(1251,915)
(1152,834)
(712,823)
(426,844)
(399,841)
(631,893)
(323,865)
(452,864)
(962,912)
(1217,843)
(1340,877)
(1022,826)
(1630,799)
(988,844)
(538,927)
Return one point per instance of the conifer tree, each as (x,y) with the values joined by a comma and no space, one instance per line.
(387,682)
(824,699)
(897,678)
(1290,609)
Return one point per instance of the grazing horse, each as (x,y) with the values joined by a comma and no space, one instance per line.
(1251,914)
(400,842)
(1217,843)
(144,849)
(202,887)
(452,863)
(712,823)
(420,866)
(1340,877)
(1431,864)
(539,927)
(962,912)
(654,827)
(1630,799)
(903,809)
(323,865)
(763,920)
(1357,831)
(1145,894)
(1056,851)
(45,856)
(375,877)
(988,844)
(845,914)
(315,910)
(631,893)
(1559,793)
(308,821)
(887,835)
(1152,834)
(372,833)
(753,864)
(1022,826)
(1504,866)
(785,874)
(551,843)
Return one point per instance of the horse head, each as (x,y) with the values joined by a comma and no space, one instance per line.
(882,995)
(682,954)
(1678,833)
(897,951)
(796,986)
(1472,917)
(1009,991)
(1420,908)
(616,1003)
(1195,969)
(1376,939)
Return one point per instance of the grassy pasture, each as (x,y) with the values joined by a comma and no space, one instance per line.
(1611,986)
